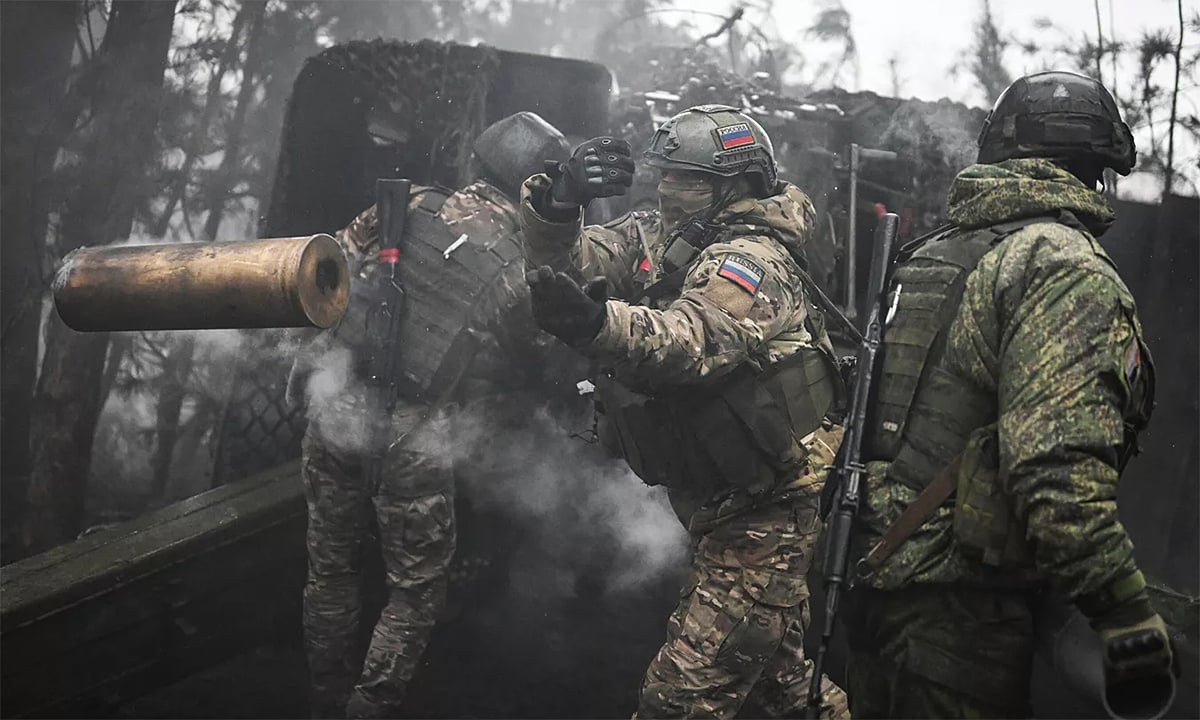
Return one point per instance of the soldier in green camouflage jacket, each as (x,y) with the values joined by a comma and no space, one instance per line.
(487,336)
(714,378)
(1014,380)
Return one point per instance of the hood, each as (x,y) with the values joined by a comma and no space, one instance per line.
(788,216)
(985,195)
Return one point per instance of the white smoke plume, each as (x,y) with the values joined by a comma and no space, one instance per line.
(586,509)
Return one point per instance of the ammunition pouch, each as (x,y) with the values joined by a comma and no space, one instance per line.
(679,254)
(747,433)
(985,525)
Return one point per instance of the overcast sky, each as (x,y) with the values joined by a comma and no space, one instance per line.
(928,39)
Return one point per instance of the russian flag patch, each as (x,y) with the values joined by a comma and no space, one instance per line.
(742,271)
(733,136)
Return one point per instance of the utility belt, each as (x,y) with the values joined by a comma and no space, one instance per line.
(745,433)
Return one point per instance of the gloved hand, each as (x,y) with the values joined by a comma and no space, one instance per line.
(565,310)
(600,167)
(1138,665)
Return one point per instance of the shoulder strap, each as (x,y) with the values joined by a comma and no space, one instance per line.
(915,515)
(666,285)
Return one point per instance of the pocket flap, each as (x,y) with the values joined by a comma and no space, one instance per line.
(774,588)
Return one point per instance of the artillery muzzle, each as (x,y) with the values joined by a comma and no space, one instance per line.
(276,283)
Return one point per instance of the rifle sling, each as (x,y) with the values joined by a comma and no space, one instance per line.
(665,286)
(915,515)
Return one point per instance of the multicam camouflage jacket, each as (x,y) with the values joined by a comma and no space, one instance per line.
(742,301)
(1047,327)
(742,304)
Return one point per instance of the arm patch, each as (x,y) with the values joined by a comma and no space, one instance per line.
(742,271)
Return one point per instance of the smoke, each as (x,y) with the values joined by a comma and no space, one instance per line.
(585,510)
(334,398)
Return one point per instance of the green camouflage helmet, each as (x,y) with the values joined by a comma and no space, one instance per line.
(1057,114)
(715,139)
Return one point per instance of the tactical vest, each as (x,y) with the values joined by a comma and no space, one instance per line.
(443,288)
(927,421)
(745,431)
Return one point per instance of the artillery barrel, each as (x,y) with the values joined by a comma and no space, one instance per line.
(281,282)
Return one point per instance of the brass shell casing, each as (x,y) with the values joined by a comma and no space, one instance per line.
(275,283)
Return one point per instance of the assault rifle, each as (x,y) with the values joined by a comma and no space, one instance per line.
(383,323)
(846,474)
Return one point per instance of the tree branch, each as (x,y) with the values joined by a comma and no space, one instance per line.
(1170,169)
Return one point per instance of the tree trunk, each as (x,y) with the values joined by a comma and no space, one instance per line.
(99,209)
(212,99)
(226,176)
(38,39)
(1169,174)
(179,366)
(176,369)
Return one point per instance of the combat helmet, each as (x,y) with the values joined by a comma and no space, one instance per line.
(715,139)
(513,148)
(1057,114)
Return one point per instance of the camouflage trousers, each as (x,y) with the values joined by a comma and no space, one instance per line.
(736,637)
(939,652)
(417,540)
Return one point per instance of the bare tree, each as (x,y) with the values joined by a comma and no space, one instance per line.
(987,55)
(226,175)
(195,145)
(1169,170)
(177,366)
(834,24)
(116,146)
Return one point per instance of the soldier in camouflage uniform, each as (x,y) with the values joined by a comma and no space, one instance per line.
(715,379)
(1014,380)
(413,504)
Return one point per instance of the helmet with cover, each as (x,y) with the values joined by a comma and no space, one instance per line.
(1057,114)
(716,139)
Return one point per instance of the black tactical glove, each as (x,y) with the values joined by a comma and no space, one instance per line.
(565,310)
(600,167)
(1139,664)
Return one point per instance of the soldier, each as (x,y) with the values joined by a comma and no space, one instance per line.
(1013,384)
(716,378)
(460,266)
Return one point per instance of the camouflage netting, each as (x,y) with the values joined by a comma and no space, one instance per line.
(258,429)
(376,109)
(435,96)
(937,138)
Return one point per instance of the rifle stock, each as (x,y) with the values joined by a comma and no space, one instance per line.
(848,469)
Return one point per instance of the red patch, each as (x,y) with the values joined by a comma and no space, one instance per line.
(644,265)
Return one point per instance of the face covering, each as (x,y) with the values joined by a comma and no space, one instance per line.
(680,200)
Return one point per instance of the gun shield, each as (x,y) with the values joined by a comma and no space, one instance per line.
(281,282)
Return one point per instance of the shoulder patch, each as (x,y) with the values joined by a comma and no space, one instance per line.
(742,271)
(733,136)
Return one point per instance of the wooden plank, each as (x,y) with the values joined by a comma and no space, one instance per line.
(153,600)
(146,547)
